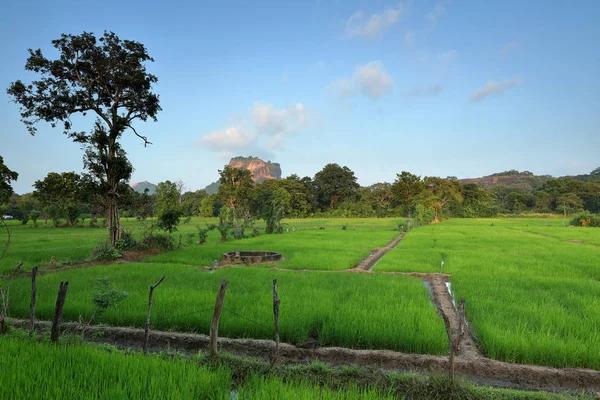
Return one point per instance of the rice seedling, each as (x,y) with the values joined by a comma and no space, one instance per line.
(339,309)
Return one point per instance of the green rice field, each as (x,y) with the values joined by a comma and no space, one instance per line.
(532,286)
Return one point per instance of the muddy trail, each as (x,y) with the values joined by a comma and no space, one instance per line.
(369,262)
(477,369)
(446,306)
(127,257)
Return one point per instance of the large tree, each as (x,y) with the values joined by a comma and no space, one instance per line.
(106,76)
(406,190)
(61,191)
(6,177)
(335,184)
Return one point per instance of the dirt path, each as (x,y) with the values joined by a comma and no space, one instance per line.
(127,258)
(368,262)
(478,369)
(442,298)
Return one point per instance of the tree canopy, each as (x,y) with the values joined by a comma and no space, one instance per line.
(105,76)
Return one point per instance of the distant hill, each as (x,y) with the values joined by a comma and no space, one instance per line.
(593,176)
(526,181)
(261,170)
(140,187)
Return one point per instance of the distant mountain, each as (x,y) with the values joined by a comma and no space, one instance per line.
(261,170)
(526,181)
(140,187)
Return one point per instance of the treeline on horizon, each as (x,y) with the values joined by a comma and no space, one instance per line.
(68,198)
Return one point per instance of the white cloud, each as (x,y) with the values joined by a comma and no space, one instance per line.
(341,88)
(422,91)
(231,138)
(271,121)
(510,47)
(370,80)
(444,62)
(373,80)
(261,129)
(493,87)
(434,16)
(372,26)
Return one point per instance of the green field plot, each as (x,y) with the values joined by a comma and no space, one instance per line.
(309,247)
(306,248)
(531,298)
(86,372)
(337,309)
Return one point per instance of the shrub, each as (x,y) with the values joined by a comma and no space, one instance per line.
(344,227)
(169,220)
(104,252)
(34,216)
(586,219)
(25,219)
(203,233)
(127,242)
(160,242)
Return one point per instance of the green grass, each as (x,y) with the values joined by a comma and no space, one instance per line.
(41,371)
(45,371)
(530,298)
(34,369)
(340,309)
(302,249)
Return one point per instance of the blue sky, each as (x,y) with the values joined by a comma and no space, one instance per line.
(463,88)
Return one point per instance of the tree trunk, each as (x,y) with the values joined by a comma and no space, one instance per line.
(113,222)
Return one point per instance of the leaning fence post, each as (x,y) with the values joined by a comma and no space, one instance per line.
(2,313)
(33,296)
(58,311)
(147,328)
(214,325)
(276,321)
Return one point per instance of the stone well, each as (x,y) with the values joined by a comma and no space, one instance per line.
(250,257)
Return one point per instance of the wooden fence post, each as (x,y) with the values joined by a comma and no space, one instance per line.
(58,311)
(214,325)
(3,312)
(276,321)
(147,328)
(33,298)
(455,342)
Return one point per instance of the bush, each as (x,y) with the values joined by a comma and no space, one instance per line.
(160,242)
(104,252)
(34,216)
(25,219)
(586,219)
(203,233)
(169,220)
(127,242)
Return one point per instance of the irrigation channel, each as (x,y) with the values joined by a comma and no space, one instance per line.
(470,362)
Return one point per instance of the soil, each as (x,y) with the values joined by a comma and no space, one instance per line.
(468,349)
(368,262)
(469,364)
